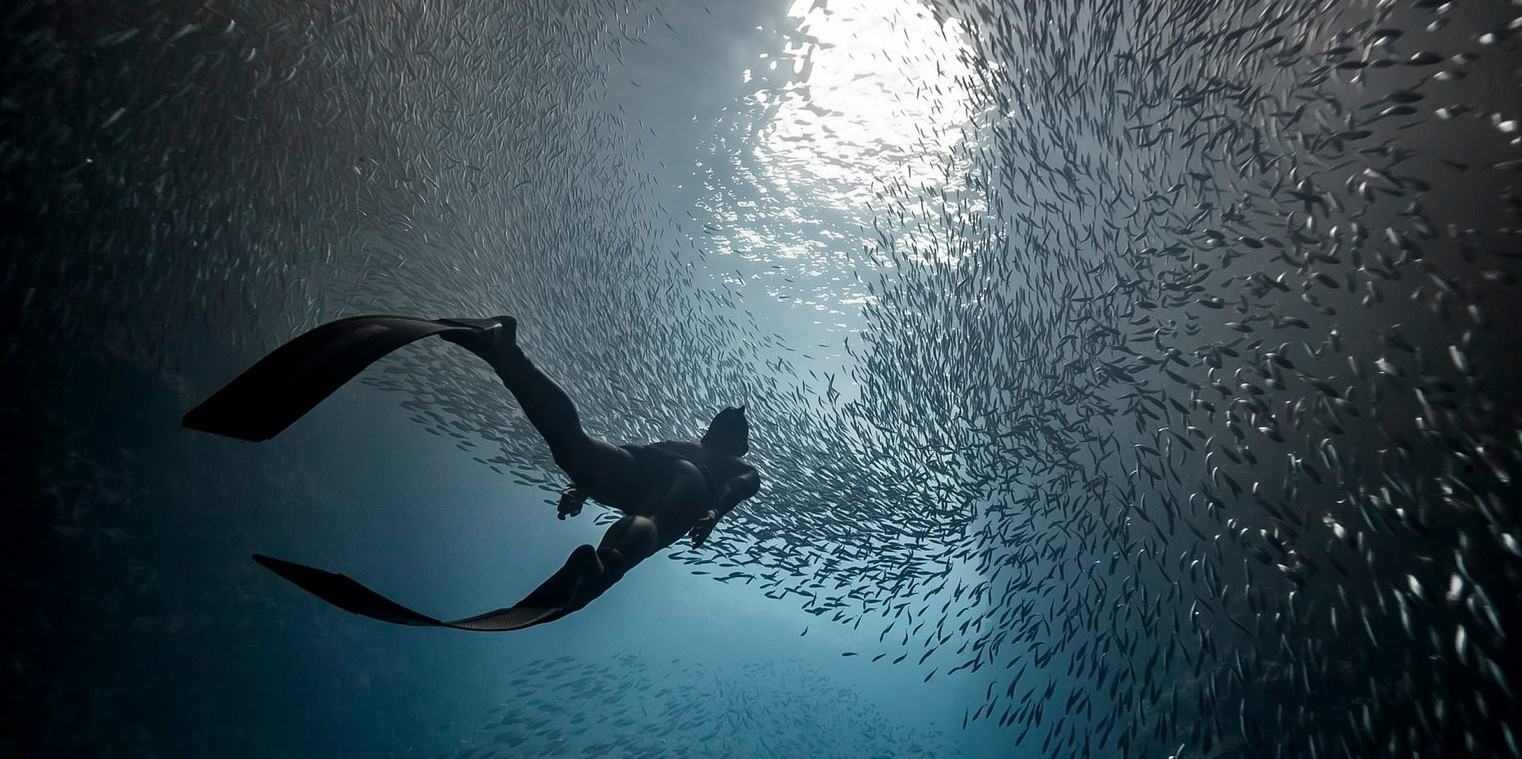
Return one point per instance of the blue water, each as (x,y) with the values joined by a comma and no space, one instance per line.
(168,639)
(943,251)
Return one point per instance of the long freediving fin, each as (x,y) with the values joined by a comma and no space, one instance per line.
(569,589)
(346,593)
(284,385)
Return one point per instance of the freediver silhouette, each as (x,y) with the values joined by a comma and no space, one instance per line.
(666,490)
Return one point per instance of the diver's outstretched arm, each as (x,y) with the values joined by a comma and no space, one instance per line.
(731,493)
(737,489)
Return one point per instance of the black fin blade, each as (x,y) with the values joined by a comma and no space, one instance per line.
(284,385)
(345,593)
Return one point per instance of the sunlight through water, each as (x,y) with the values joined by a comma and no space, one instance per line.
(840,113)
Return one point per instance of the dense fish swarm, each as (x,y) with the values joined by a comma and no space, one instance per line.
(630,707)
(1183,414)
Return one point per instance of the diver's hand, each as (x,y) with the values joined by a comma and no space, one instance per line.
(704,526)
(571,500)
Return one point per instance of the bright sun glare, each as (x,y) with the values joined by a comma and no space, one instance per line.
(872,96)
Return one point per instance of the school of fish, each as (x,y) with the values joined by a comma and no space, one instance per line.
(1183,414)
(632,707)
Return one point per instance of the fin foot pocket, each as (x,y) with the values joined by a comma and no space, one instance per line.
(490,339)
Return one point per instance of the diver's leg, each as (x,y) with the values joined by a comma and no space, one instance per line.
(544,402)
(600,470)
(683,499)
(589,572)
(628,542)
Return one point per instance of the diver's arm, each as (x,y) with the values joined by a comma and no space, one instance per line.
(737,489)
(731,493)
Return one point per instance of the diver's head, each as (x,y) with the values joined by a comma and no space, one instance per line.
(729,432)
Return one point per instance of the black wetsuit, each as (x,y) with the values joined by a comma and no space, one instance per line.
(665,490)
(673,483)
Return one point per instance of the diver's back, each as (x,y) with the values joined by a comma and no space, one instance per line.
(717,467)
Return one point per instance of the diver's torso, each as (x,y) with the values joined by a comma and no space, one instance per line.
(718,468)
(686,478)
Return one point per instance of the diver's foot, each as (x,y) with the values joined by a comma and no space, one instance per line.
(571,501)
(492,340)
